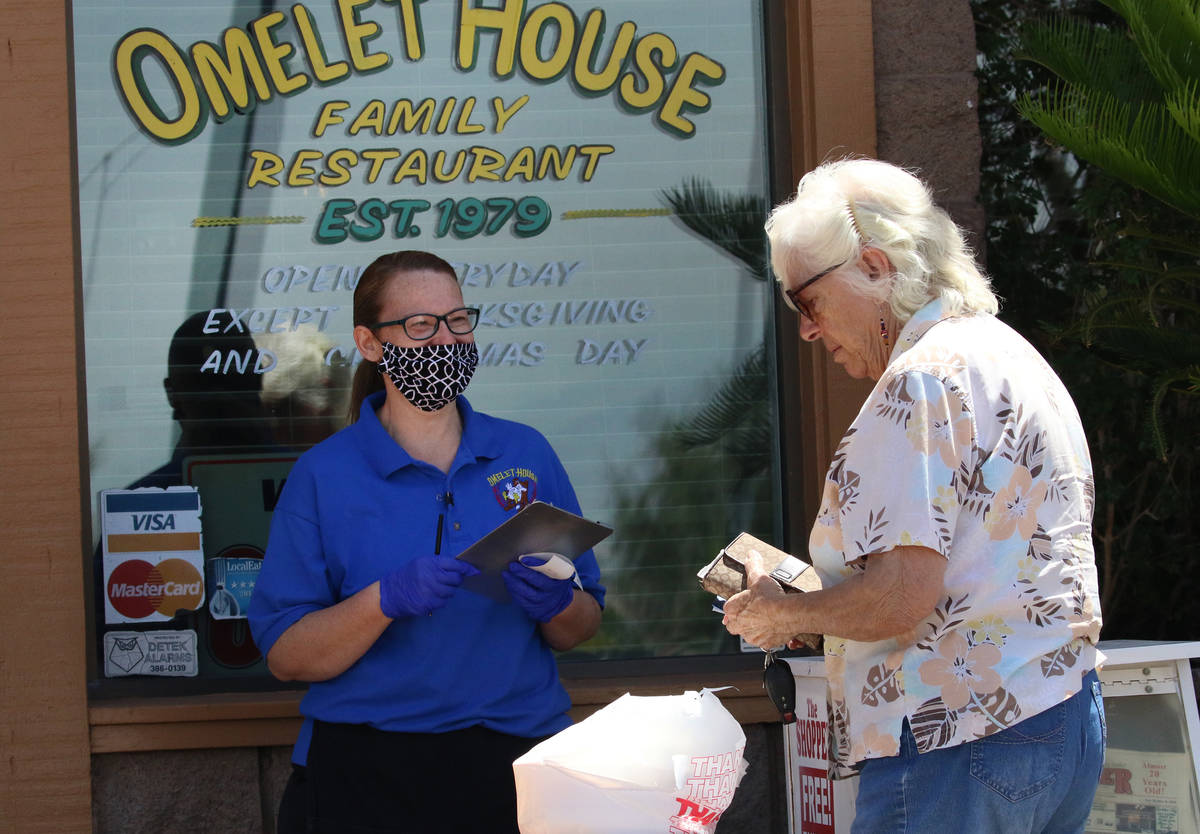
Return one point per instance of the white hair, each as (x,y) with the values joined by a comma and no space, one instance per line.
(843,205)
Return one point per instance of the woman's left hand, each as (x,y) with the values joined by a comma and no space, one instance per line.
(541,597)
(758,613)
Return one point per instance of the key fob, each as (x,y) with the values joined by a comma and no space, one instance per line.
(781,687)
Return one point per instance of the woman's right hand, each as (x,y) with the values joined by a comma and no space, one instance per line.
(756,613)
(326,642)
(422,586)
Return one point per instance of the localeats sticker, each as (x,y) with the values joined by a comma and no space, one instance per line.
(165,653)
(231,577)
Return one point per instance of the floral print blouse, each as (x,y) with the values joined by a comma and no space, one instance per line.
(968,445)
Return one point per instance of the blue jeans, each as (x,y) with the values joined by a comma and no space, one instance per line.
(1039,775)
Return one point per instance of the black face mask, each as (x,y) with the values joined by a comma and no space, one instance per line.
(430,376)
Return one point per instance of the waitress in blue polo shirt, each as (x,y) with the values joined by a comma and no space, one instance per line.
(421,694)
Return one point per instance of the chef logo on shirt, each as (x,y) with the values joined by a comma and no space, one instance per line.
(514,488)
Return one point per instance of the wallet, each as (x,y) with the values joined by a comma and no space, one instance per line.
(725,575)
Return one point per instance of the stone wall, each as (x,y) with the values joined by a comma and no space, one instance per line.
(223,791)
(925,99)
(926,119)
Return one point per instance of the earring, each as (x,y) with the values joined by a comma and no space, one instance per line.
(883,330)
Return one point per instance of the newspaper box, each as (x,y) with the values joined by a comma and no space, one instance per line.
(1151,768)
(816,803)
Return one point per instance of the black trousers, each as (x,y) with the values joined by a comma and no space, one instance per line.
(360,780)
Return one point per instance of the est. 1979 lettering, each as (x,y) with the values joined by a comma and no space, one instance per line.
(462,219)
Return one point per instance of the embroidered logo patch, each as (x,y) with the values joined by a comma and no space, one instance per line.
(514,488)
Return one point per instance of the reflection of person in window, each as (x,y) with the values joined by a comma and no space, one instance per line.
(217,406)
(216,412)
(304,394)
(421,694)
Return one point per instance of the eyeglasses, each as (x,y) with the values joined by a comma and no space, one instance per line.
(797,304)
(422,326)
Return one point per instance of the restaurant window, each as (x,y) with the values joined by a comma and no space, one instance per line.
(596,173)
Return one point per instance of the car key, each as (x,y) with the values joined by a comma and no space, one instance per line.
(780,686)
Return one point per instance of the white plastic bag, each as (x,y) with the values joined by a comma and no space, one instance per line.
(665,764)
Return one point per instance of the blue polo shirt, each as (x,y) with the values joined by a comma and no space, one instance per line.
(356,507)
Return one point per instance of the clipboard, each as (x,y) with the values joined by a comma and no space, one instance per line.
(536,528)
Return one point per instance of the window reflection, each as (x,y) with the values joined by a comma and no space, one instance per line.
(244,407)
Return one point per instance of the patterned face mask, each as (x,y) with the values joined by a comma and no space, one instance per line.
(430,376)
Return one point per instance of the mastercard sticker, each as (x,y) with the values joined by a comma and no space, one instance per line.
(153,559)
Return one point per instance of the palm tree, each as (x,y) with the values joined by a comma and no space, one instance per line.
(739,414)
(1059,249)
(714,479)
(1127,100)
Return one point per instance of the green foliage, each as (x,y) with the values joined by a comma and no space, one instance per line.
(668,529)
(1126,95)
(1110,304)
(1125,98)
(738,419)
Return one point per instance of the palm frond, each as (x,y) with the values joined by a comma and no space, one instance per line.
(1186,379)
(733,222)
(1147,349)
(1159,293)
(1183,103)
(1165,33)
(1090,57)
(735,405)
(1164,242)
(1162,279)
(1142,145)
(1113,310)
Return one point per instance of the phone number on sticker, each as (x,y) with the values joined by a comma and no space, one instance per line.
(462,219)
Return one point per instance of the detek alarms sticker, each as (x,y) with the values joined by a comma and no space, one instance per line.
(164,653)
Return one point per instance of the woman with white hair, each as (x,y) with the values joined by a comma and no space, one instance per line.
(960,606)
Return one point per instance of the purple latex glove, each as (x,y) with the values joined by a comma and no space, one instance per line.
(422,586)
(541,597)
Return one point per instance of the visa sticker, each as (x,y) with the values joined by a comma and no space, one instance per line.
(152,552)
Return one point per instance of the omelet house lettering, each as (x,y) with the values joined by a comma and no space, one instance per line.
(517,472)
(279,54)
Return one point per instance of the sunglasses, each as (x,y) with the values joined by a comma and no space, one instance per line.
(792,297)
